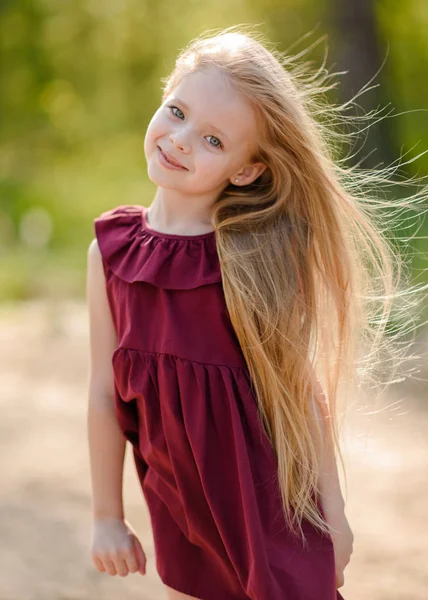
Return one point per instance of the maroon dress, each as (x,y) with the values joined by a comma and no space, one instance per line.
(184,401)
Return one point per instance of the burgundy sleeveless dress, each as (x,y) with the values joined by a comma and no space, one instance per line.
(184,401)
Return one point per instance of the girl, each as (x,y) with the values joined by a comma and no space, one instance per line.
(214,315)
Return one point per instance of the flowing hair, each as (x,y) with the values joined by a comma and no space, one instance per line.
(308,273)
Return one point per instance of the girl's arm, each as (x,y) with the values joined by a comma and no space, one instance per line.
(332,501)
(115,547)
(328,482)
(105,439)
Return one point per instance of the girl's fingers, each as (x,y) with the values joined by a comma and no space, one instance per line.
(121,567)
(109,566)
(141,557)
(98,564)
(131,561)
(340,579)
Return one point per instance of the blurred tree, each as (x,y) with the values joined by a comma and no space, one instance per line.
(80,80)
(358,48)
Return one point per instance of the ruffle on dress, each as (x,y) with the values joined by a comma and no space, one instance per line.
(136,252)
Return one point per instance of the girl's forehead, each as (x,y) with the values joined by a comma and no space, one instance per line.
(209,84)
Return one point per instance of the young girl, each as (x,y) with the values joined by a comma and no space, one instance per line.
(214,315)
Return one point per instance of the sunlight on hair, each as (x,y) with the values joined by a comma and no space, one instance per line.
(317,292)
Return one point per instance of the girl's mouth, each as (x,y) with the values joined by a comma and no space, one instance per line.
(166,163)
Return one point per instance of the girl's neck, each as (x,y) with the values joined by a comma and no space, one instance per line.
(177,216)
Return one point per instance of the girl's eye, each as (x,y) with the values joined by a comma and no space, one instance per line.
(172,107)
(219,145)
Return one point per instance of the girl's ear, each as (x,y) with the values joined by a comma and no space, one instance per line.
(258,170)
(249,174)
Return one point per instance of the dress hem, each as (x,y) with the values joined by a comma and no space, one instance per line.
(166,581)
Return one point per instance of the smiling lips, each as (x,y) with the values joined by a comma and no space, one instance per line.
(170,159)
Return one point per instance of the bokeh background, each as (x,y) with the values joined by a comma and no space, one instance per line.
(80,81)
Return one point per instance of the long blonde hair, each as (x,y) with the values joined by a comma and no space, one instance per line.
(307,272)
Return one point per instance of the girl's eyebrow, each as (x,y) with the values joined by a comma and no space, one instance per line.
(187,108)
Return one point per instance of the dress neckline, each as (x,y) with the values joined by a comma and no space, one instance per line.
(136,253)
(146,227)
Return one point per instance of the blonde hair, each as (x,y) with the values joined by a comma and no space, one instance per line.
(307,272)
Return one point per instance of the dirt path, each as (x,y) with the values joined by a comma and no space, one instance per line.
(45,500)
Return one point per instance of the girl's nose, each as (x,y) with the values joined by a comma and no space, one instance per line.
(179,140)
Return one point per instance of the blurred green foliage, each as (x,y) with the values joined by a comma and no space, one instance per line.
(80,81)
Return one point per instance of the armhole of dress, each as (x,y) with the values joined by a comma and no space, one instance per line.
(106,268)
(108,272)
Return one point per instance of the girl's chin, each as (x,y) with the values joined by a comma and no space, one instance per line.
(161,179)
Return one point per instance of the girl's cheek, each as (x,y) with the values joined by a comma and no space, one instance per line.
(156,127)
(153,129)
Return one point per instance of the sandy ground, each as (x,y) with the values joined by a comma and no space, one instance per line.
(45,492)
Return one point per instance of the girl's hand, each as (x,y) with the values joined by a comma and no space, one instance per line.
(115,547)
(343,540)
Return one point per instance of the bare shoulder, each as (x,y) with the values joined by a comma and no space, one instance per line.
(95,270)
(95,277)
(94,254)
(103,336)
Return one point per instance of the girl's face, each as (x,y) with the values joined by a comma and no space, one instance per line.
(207,127)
